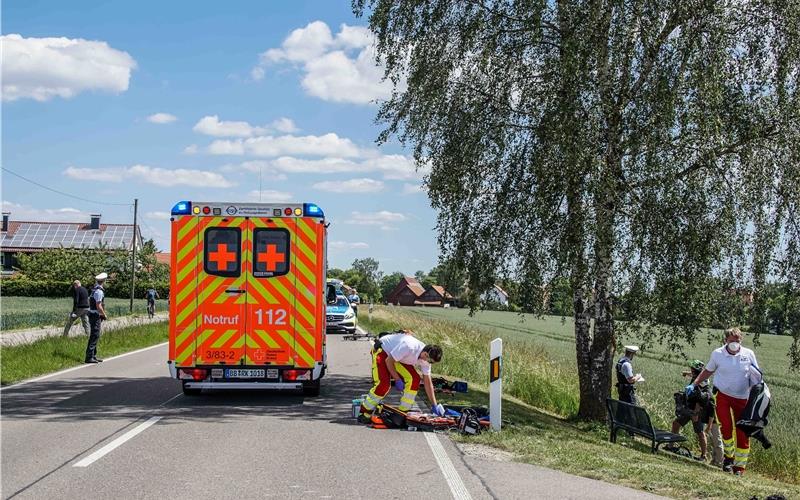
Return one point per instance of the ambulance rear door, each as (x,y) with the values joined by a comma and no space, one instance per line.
(271,309)
(221,291)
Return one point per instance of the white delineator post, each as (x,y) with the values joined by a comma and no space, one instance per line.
(495,383)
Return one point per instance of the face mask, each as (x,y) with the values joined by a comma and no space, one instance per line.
(734,346)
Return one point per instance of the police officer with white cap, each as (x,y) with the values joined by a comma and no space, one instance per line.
(625,377)
(97,314)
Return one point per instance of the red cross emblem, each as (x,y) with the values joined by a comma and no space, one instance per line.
(222,257)
(271,257)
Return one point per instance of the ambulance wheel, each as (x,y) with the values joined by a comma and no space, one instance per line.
(312,388)
(188,391)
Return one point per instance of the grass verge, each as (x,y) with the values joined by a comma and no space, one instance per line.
(57,353)
(37,312)
(539,394)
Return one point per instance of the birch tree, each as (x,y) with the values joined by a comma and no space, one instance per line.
(639,147)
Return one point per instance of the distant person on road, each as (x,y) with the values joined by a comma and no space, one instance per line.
(151,295)
(355,300)
(97,314)
(735,369)
(80,308)
(397,357)
(626,389)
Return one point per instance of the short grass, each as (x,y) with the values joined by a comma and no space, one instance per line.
(56,353)
(583,449)
(35,312)
(539,364)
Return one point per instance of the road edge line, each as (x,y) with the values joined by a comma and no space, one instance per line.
(457,487)
(67,370)
(105,450)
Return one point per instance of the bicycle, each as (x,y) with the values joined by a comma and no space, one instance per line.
(151,309)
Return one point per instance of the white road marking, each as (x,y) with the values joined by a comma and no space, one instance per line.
(49,375)
(105,450)
(457,487)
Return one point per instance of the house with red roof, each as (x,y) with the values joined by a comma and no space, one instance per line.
(18,237)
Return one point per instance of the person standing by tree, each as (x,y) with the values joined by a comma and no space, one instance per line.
(626,380)
(80,308)
(733,366)
(97,314)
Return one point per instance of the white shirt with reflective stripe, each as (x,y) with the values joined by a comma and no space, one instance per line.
(732,372)
(405,349)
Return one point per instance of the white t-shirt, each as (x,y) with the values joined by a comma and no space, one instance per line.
(405,349)
(732,372)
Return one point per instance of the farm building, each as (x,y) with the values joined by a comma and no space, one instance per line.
(406,292)
(435,295)
(409,292)
(495,295)
(29,237)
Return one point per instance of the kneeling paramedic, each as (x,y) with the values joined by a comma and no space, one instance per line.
(396,356)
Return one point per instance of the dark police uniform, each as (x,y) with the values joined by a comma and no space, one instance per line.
(626,390)
(95,321)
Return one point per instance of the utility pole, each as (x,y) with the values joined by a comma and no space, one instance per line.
(133,253)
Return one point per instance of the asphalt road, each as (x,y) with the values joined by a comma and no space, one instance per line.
(57,432)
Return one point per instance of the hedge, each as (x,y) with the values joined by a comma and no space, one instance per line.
(23,287)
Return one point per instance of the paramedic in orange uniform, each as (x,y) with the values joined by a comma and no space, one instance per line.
(397,357)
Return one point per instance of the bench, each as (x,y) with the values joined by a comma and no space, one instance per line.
(635,420)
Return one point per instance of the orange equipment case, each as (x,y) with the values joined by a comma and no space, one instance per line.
(247,296)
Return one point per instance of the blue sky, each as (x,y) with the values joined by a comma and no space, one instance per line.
(165,101)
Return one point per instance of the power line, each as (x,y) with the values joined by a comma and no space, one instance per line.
(63,193)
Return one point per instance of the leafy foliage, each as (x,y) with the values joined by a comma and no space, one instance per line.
(643,146)
(50,272)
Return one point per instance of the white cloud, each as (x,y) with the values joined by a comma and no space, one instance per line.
(338,69)
(20,212)
(302,44)
(272,146)
(161,118)
(211,125)
(383,219)
(347,245)
(270,196)
(284,125)
(151,175)
(350,186)
(158,215)
(257,73)
(43,68)
(412,189)
(393,167)
(191,149)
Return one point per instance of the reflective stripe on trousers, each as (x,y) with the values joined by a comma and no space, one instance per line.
(381,383)
(411,380)
(736,444)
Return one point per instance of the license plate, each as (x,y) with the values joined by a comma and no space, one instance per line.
(272,373)
(244,373)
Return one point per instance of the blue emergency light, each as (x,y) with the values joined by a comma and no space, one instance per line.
(312,210)
(182,208)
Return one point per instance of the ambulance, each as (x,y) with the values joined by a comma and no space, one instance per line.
(247,296)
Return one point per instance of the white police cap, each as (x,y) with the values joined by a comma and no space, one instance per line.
(101,276)
(631,348)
